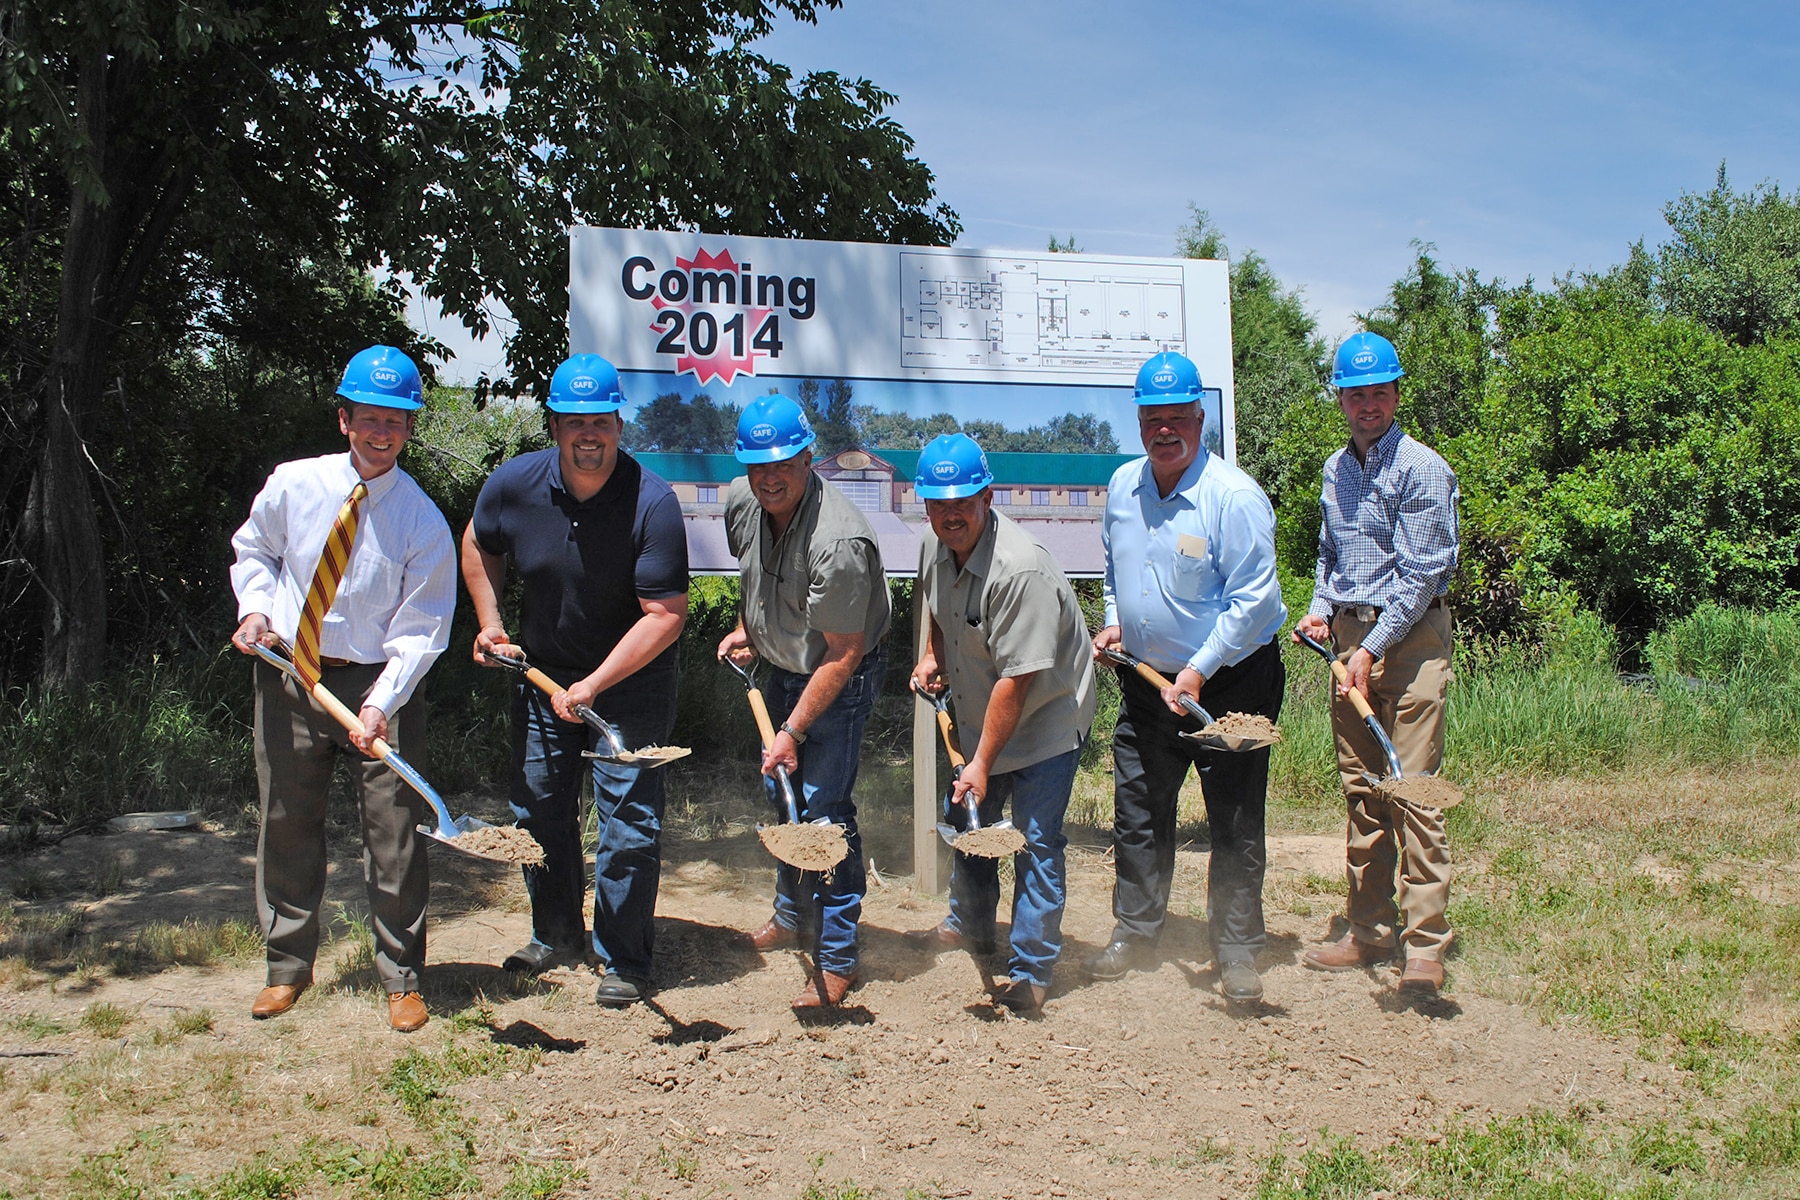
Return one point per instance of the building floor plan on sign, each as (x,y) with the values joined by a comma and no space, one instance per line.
(986,316)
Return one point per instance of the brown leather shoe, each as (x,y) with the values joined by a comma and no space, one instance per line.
(1423,975)
(836,988)
(406,1011)
(774,936)
(1345,954)
(941,938)
(276,999)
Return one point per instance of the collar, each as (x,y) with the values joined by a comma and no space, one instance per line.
(378,487)
(1383,450)
(981,558)
(1187,487)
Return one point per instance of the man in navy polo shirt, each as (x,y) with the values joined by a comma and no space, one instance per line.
(599,544)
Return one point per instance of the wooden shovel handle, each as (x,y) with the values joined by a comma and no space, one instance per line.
(341,713)
(543,682)
(957,761)
(1358,701)
(760,710)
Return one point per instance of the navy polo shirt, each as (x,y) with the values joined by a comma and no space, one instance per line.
(585,564)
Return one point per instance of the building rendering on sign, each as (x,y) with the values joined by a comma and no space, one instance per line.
(1058,498)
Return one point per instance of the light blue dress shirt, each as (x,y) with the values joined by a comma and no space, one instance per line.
(1190,578)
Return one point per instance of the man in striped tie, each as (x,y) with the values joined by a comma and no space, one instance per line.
(348,559)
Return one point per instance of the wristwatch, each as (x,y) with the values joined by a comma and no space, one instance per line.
(799,738)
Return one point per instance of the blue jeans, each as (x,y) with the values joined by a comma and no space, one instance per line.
(1040,797)
(628,804)
(828,763)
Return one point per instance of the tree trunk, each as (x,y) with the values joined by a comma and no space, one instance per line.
(71,566)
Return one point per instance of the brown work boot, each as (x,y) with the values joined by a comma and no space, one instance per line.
(940,938)
(1345,954)
(773,936)
(406,1011)
(275,999)
(836,988)
(1422,975)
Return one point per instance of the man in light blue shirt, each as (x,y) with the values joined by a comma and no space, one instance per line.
(1191,590)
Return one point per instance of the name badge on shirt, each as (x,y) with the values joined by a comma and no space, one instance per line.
(1189,546)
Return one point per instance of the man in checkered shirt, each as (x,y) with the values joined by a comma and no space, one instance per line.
(1387,549)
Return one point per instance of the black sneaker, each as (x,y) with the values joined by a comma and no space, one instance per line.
(616,991)
(1116,961)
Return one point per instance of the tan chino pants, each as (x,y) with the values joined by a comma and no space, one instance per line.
(1396,857)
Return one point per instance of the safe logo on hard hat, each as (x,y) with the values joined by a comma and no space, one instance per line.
(583,385)
(716,316)
(761,434)
(385,377)
(1164,378)
(944,470)
(1363,359)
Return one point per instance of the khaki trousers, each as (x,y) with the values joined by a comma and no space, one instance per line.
(294,741)
(1406,690)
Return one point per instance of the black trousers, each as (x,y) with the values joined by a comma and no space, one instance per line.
(1150,762)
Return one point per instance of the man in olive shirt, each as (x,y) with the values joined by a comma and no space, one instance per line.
(1008,635)
(815,606)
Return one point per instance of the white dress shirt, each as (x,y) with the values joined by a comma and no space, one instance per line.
(399,589)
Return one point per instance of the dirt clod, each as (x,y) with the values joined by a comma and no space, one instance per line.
(504,843)
(993,842)
(807,847)
(1426,791)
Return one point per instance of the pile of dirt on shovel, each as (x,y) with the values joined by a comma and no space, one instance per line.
(506,843)
(1249,726)
(808,847)
(1426,791)
(991,842)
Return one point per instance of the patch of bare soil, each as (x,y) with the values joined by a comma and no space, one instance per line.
(1150,1086)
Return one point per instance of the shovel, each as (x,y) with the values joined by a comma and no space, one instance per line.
(615,752)
(807,846)
(451,832)
(995,841)
(1414,791)
(1265,733)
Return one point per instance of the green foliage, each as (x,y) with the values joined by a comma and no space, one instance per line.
(1336,1170)
(165,734)
(421,1080)
(670,424)
(1729,263)
(1277,367)
(105,1020)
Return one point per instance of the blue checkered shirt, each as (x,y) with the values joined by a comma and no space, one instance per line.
(1387,535)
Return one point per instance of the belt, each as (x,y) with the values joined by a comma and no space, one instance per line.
(336,662)
(1370,613)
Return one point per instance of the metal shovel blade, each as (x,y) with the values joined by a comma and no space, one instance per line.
(649,757)
(1232,743)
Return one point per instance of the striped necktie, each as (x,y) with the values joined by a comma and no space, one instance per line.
(325,585)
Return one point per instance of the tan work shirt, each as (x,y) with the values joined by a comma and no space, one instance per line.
(824,575)
(1010,611)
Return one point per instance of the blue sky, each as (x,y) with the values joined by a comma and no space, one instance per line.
(1522,139)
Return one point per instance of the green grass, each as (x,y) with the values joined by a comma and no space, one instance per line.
(105,1020)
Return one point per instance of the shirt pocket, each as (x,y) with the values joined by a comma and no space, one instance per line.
(1191,574)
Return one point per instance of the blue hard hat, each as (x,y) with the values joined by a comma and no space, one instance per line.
(1363,359)
(951,467)
(383,376)
(772,429)
(585,383)
(1168,378)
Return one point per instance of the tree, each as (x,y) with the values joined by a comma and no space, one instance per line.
(673,426)
(1733,262)
(1277,355)
(199,147)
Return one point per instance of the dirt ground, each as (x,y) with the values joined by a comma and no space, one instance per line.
(1151,1086)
